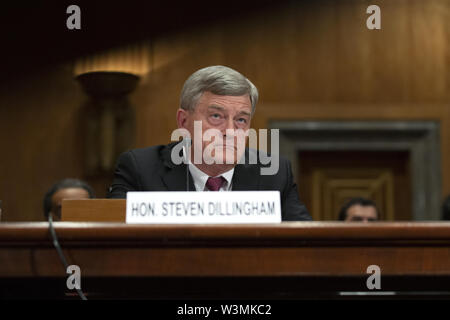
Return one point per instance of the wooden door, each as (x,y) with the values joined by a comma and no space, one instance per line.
(328,179)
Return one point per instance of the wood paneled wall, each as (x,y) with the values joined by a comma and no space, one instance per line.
(40,139)
(309,60)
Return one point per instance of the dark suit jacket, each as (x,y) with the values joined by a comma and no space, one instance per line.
(151,169)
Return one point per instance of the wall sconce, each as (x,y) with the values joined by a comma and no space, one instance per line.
(108,78)
(110,120)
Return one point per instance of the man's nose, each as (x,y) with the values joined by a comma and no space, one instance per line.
(229,125)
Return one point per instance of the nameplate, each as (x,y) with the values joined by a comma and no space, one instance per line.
(180,207)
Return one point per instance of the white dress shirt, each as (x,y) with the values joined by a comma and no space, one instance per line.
(200,178)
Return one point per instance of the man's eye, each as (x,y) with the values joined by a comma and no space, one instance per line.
(216,116)
(242,120)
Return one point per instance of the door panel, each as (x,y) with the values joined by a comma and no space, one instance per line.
(329,179)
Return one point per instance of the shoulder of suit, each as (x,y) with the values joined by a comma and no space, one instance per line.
(153,154)
(153,150)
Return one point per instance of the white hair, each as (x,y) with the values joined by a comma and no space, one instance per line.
(219,80)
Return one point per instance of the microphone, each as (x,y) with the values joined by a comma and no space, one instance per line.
(186,151)
(59,251)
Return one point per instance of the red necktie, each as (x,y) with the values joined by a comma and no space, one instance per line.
(214,184)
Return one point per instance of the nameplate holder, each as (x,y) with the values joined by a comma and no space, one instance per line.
(181,207)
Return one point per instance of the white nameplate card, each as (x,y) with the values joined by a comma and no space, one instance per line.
(181,207)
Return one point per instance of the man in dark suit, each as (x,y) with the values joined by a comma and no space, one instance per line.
(220,100)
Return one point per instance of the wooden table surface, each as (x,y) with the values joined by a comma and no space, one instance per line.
(309,248)
(295,260)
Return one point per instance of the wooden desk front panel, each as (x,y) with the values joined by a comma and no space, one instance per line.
(289,249)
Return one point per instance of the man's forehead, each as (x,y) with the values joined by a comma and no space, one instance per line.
(243,110)
(70,193)
(362,210)
(210,99)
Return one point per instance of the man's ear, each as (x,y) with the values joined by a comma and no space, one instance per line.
(182,116)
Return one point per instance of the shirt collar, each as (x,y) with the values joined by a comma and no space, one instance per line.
(200,178)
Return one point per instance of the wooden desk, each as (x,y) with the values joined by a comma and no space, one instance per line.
(289,260)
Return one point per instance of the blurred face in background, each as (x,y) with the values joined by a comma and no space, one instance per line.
(67,193)
(361,213)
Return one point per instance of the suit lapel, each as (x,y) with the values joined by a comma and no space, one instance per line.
(175,179)
(245,177)
(174,176)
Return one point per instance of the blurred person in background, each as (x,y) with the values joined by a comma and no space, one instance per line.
(65,189)
(359,209)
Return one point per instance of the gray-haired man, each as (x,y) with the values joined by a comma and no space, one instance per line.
(215,99)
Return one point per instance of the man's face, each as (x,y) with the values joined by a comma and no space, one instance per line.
(361,213)
(221,113)
(68,193)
